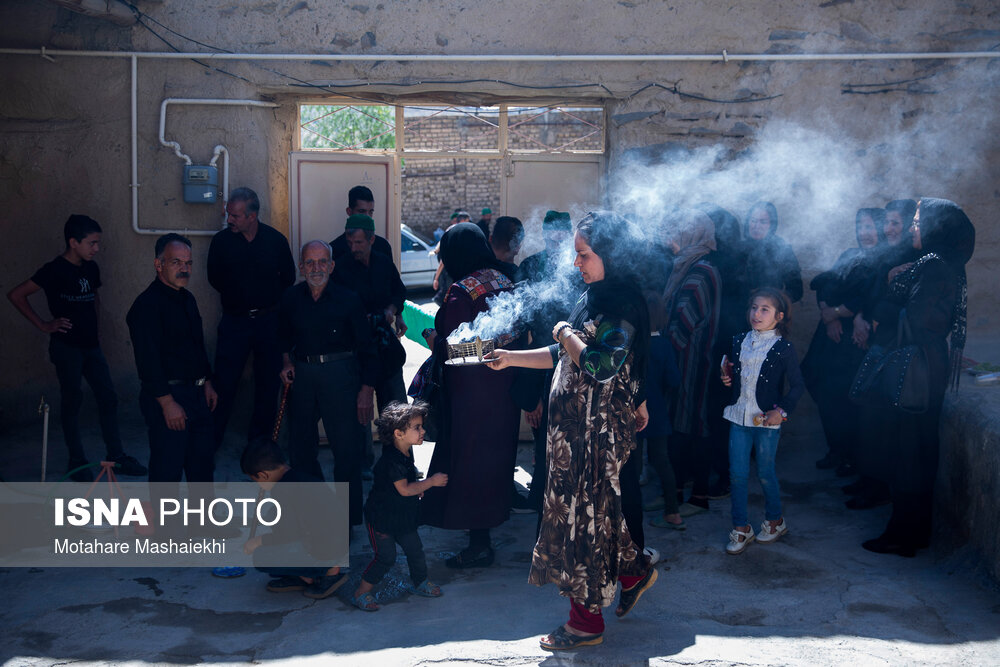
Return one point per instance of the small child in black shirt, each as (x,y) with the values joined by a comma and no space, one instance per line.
(264,463)
(392,507)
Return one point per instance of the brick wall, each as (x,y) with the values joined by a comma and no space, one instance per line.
(434,188)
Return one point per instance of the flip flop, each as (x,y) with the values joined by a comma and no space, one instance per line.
(561,640)
(660,522)
(365,602)
(228,572)
(427,589)
(629,597)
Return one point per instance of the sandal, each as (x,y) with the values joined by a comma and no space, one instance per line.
(427,589)
(630,596)
(660,521)
(365,602)
(561,639)
(466,559)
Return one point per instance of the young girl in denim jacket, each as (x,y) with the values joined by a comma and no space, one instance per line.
(760,362)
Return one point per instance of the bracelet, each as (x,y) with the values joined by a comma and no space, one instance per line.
(784,415)
(559,331)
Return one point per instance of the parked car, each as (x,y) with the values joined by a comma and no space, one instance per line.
(419,263)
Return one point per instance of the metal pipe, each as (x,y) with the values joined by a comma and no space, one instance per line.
(177,150)
(724,56)
(220,149)
(43,408)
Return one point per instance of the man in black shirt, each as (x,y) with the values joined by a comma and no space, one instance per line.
(360,201)
(484,222)
(250,265)
(374,278)
(506,240)
(176,397)
(329,355)
(70,282)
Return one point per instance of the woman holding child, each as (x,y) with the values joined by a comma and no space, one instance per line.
(596,405)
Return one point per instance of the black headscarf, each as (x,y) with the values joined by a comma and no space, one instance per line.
(618,294)
(464,250)
(947,232)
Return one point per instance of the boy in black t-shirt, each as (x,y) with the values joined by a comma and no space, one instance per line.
(392,507)
(70,282)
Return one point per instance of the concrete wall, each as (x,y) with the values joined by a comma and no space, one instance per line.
(926,127)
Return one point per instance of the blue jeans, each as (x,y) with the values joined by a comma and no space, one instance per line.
(764,441)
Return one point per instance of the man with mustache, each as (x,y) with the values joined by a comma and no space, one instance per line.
(176,398)
(250,265)
(330,360)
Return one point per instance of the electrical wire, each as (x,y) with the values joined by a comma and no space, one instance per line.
(336,88)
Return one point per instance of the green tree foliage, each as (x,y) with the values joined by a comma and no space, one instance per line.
(348,127)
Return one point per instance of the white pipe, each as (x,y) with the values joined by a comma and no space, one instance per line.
(177,150)
(724,56)
(225,178)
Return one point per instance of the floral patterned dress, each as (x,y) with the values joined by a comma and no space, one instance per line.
(584,545)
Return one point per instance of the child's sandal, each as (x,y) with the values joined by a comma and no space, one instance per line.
(365,602)
(427,589)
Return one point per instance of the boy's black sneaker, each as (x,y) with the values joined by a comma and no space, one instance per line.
(128,465)
(81,475)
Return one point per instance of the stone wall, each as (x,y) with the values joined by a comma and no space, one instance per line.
(968,486)
(876,130)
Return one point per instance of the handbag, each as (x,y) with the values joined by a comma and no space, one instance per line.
(426,387)
(897,376)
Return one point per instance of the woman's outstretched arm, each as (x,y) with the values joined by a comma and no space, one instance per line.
(538,358)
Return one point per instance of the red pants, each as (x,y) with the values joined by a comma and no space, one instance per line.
(593,623)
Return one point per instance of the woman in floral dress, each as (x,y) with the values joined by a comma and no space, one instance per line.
(596,405)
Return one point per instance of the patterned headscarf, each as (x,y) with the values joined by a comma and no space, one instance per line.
(696,238)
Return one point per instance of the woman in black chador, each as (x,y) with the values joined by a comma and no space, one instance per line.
(834,355)
(771,262)
(932,295)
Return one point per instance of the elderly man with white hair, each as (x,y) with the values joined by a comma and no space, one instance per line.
(330,362)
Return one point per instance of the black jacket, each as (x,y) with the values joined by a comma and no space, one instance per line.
(781,363)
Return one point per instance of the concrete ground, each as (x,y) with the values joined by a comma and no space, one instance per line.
(813,598)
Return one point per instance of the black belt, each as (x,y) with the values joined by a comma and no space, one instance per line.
(253,313)
(191,383)
(326,358)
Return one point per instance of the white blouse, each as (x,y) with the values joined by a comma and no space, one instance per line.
(753,351)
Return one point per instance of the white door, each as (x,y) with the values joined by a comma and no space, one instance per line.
(535,184)
(318,187)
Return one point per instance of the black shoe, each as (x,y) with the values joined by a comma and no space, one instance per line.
(718,492)
(286,585)
(866,502)
(854,488)
(884,545)
(325,586)
(128,465)
(465,559)
(846,470)
(81,475)
(521,505)
(827,462)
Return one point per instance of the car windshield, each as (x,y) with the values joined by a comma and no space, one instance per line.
(415,233)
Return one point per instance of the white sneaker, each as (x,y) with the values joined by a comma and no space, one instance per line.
(653,554)
(739,540)
(769,533)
